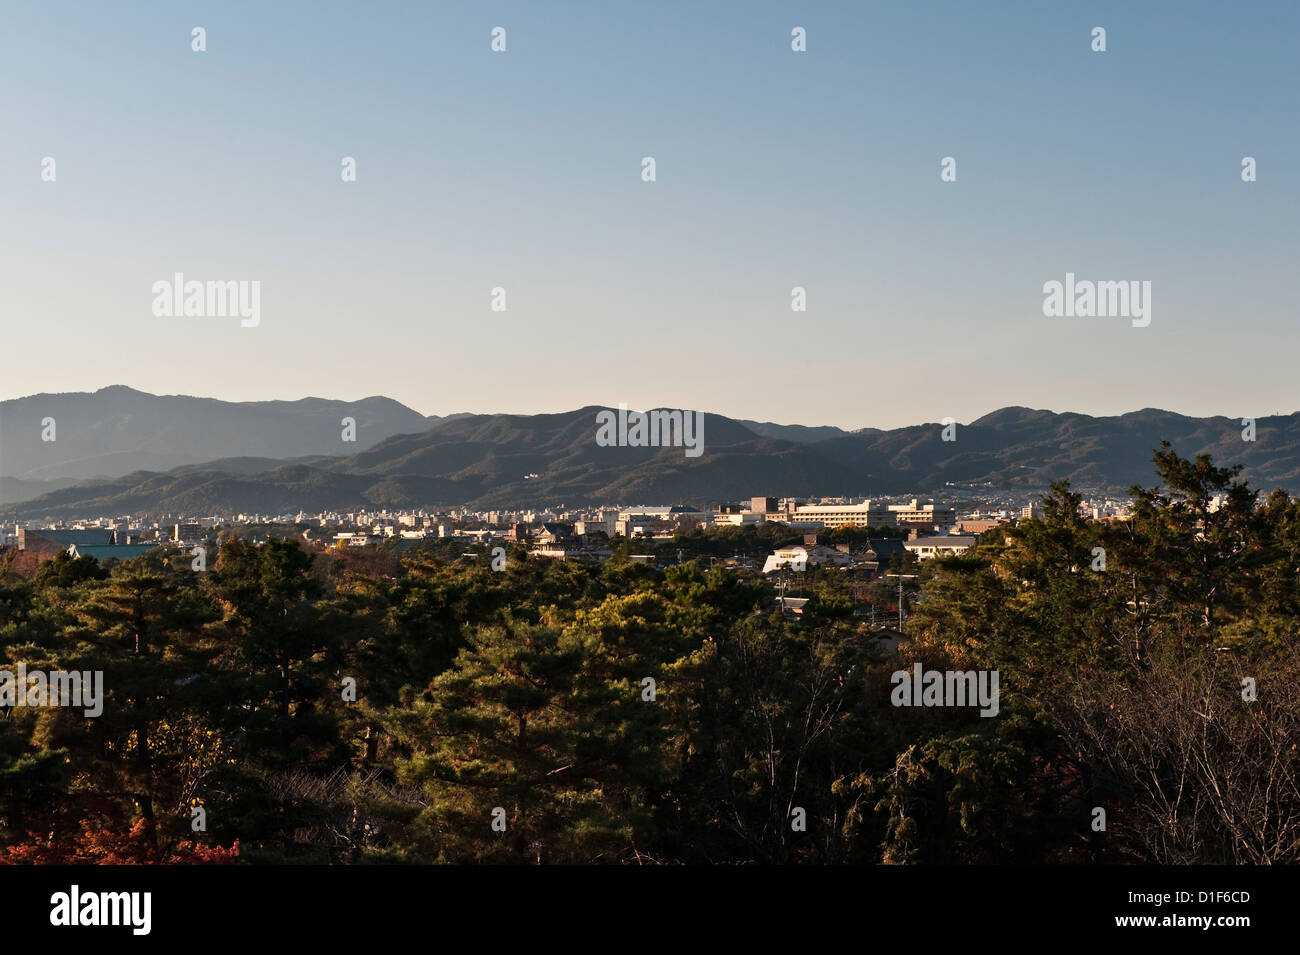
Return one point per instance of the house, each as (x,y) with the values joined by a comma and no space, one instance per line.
(552,532)
(799,556)
(884,550)
(792,605)
(977,527)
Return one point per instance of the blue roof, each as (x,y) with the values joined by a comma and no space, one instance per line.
(120,551)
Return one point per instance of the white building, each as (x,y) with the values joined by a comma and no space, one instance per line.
(926,547)
(738,520)
(866,514)
(799,556)
(918,513)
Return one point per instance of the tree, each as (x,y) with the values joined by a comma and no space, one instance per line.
(268,594)
(1198,535)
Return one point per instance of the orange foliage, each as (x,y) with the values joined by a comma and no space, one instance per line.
(105,845)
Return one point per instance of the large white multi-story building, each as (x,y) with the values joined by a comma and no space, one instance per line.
(918,513)
(867,514)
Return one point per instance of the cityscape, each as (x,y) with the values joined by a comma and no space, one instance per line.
(454,457)
(929,528)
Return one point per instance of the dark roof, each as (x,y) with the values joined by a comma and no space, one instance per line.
(886,547)
(93,537)
(119,551)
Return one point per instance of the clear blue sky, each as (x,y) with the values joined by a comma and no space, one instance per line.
(775,169)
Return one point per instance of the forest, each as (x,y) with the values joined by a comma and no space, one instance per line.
(296,704)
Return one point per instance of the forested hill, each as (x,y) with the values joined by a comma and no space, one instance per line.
(503,460)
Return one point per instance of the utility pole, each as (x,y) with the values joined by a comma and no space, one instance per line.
(901,578)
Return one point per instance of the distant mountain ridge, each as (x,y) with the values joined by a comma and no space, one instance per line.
(490,460)
(116,430)
(799,433)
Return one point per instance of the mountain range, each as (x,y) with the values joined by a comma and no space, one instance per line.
(116,430)
(120,451)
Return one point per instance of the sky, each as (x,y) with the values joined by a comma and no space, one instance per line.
(774,169)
